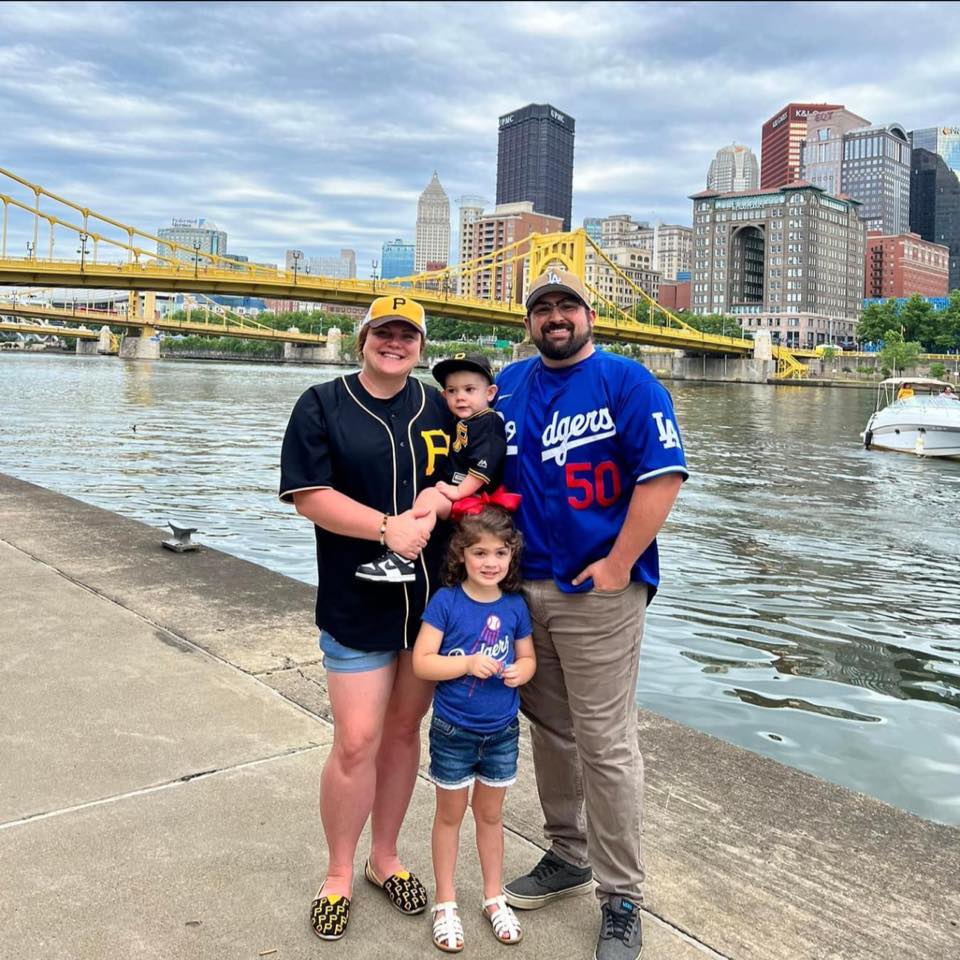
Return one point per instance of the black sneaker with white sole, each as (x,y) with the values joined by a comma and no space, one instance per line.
(621,937)
(551,879)
(390,568)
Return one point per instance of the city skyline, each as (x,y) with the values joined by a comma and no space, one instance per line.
(140,115)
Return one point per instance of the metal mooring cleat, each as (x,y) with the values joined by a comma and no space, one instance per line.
(181,542)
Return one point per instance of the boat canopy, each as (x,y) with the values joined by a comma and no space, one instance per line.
(914,381)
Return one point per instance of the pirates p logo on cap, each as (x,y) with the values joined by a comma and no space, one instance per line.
(385,309)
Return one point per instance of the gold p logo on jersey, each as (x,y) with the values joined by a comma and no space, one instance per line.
(437,444)
(461,441)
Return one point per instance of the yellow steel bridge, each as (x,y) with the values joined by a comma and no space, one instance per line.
(488,289)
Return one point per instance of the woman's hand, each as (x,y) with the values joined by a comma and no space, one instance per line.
(481,666)
(404,535)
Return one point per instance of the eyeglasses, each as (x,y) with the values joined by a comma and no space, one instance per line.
(543,311)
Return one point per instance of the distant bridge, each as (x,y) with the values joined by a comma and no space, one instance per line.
(503,274)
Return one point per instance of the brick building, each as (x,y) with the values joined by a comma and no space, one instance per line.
(674,295)
(781,142)
(904,264)
(507,224)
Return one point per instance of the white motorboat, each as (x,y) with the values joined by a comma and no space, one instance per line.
(914,415)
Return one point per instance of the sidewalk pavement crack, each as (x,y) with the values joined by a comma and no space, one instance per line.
(257,677)
(157,787)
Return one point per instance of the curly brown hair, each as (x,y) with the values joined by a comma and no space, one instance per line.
(492,521)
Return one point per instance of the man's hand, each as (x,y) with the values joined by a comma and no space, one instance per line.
(481,666)
(607,575)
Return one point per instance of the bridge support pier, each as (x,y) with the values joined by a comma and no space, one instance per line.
(87,348)
(144,347)
(762,345)
(305,353)
(147,345)
(107,342)
(523,350)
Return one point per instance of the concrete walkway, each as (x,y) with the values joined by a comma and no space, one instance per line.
(164,721)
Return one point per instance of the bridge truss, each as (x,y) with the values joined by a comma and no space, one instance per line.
(489,289)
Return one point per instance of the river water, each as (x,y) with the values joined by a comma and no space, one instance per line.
(810,609)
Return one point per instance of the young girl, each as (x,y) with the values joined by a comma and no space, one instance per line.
(476,641)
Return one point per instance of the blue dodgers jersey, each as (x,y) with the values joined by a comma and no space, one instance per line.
(579,439)
(468,627)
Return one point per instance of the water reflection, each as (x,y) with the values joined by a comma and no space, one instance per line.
(809,609)
(795,703)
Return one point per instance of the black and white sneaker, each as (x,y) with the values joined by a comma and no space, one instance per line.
(390,568)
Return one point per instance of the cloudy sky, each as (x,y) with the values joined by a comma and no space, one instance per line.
(316,125)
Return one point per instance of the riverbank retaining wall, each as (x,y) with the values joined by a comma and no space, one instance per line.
(746,858)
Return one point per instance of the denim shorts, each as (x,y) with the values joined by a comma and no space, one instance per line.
(458,756)
(340,659)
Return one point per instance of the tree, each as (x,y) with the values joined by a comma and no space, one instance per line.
(947,338)
(718,323)
(896,354)
(918,321)
(875,319)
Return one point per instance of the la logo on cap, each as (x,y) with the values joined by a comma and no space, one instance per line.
(553,277)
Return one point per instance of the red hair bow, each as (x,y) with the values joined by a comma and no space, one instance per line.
(471,505)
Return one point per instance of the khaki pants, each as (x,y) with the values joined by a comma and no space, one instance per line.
(581,704)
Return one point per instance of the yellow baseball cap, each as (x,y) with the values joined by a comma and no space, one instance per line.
(385,309)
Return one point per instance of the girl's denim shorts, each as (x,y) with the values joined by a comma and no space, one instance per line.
(458,756)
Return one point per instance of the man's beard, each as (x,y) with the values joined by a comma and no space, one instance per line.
(562,351)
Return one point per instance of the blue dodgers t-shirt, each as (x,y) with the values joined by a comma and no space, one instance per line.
(469,627)
(579,440)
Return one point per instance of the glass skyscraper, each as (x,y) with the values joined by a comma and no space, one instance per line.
(935,205)
(535,160)
(594,228)
(396,259)
(942,140)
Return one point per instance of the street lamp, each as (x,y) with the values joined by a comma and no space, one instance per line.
(373,272)
(297,256)
(31,247)
(196,258)
(82,250)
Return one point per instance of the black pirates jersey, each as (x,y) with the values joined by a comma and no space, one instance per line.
(381,453)
(478,449)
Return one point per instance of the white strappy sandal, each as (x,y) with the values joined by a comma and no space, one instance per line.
(447,928)
(504,921)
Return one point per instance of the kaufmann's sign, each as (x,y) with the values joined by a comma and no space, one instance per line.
(800,114)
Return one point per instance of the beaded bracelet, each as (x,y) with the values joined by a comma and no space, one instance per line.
(383,530)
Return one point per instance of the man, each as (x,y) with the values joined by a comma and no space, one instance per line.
(593,447)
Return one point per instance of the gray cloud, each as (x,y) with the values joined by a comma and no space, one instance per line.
(317,125)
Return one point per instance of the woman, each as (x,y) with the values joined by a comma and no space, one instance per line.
(356,452)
